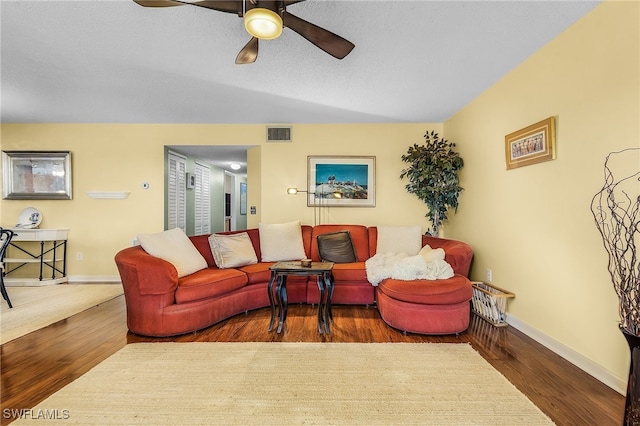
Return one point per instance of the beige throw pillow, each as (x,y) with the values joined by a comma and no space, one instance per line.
(176,248)
(281,241)
(232,251)
(399,239)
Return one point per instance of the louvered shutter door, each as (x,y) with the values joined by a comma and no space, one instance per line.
(202,200)
(177,192)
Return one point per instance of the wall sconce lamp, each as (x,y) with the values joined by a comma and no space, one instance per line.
(294,191)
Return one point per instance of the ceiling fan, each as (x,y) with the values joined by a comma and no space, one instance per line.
(265,20)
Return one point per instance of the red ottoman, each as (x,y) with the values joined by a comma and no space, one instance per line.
(426,306)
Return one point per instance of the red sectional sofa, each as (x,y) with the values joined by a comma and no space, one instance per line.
(161,304)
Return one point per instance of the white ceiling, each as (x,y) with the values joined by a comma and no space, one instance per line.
(114,61)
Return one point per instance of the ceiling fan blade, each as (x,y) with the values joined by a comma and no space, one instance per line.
(290,2)
(159,3)
(331,43)
(249,52)
(230,6)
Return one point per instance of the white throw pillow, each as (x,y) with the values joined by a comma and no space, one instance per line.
(281,241)
(231,251)
(176,248)
(399,239)
(431,255)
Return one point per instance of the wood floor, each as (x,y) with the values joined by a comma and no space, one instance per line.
(38,364)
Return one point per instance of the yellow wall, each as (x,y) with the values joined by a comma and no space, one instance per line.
(120,157)
(532,226)
(285,165)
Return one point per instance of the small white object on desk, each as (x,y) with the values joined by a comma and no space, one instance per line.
(29,218)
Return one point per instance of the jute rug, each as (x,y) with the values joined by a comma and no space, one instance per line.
(291,384)
(37,307)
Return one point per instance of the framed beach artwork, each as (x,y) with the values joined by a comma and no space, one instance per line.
(341,181)
(531,145)
(36,175)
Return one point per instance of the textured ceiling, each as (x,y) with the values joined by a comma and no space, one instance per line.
(117,62)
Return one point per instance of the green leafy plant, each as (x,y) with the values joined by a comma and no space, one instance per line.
(433,177)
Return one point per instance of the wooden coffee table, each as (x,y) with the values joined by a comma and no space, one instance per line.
(279,273)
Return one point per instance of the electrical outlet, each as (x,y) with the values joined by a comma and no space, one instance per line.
(489,275)
(79,255)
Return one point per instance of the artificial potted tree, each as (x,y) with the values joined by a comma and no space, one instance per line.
(616,209)
(432,173)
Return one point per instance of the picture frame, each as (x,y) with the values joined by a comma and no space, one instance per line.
(243,198)
(341,181)
(36,175)
(531,145)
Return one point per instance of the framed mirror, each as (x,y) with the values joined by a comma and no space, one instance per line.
(36,175)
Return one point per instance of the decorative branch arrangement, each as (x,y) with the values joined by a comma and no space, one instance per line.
(616,209)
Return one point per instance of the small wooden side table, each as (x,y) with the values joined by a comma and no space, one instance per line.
(279,273)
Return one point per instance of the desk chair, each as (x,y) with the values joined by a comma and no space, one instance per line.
(5,237)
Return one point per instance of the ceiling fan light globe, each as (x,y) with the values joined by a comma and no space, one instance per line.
(263,23)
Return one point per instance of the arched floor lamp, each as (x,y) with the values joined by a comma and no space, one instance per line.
(317,211)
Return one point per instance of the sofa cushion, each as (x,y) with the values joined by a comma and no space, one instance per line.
(210,282)
(175,247)
(429,292)
(336,247)
(232,251)
(258,272)
(281,241)
(201,242)
(399,239)
(350,272)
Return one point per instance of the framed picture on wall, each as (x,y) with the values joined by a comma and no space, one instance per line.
(341,181)
(36,175)
(243,198)
(531,145)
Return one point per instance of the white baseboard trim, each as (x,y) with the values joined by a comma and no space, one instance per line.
(575,358)
(94,279)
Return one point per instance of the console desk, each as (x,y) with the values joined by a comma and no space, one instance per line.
(46,248)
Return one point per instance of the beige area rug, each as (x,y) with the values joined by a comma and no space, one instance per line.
(37,307)
(291,384)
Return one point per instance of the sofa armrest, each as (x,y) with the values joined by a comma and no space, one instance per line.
(145,274)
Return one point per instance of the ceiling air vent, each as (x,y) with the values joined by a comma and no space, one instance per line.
(278,133)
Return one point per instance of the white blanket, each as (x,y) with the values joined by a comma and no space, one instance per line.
(404,267)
